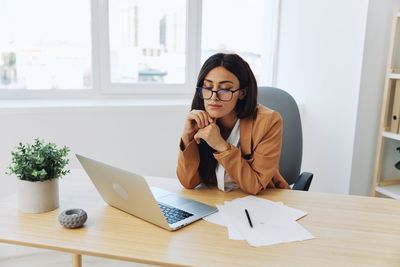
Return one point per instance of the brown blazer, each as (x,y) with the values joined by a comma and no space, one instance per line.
(254,166)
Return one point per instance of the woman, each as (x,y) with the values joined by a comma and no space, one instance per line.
(229,139)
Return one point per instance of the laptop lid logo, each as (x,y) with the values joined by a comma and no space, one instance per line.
(120,191)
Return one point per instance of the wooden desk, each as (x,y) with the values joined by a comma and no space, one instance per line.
(349,230)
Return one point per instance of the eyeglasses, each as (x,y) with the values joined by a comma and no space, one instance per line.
(222,94)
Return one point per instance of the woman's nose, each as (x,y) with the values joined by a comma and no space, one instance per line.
(214,96)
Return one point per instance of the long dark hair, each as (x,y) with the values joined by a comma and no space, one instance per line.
(244,108)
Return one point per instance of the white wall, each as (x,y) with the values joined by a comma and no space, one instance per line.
(376,49)
(320,57)
(138,138)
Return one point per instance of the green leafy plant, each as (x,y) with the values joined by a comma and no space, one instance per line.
(397,165)
(39,161)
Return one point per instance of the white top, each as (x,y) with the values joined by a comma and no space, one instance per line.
(224,181)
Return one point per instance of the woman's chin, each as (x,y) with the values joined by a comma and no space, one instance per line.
(214,114)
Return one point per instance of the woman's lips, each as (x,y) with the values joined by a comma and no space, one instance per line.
(213,106)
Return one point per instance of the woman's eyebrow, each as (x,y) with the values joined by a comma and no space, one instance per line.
(219,82)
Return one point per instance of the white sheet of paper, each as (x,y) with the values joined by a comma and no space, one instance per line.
(216,217)
(273,222)
(277,209)
(267,228)
(219,218)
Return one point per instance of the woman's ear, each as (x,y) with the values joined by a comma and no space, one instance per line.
(242,93)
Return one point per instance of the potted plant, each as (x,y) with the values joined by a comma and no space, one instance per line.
(38,167)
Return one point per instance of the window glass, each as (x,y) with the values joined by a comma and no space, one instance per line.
(242,27)
(147,41)
(45,44)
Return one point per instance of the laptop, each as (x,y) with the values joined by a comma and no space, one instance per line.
(130,193)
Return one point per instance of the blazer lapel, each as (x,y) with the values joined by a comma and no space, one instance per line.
(246,128)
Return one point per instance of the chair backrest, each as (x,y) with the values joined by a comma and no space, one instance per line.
(292,136)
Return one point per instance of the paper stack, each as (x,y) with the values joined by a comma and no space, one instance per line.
(273,222)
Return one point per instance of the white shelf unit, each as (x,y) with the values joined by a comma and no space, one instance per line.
(392,191)
(391,75)
(386,180)
(390,135)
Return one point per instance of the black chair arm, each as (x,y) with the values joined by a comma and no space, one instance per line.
(303,182)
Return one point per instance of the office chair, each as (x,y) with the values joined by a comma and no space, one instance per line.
(292,136)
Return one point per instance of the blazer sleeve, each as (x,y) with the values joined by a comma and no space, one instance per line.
(254,174)
(188,165)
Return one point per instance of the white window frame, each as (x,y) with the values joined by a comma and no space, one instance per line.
(193,50)
(102,87)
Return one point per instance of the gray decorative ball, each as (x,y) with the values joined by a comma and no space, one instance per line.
(72,218)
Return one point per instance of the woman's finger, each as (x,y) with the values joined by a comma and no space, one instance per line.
(198,121)
(197,138)
(204,118)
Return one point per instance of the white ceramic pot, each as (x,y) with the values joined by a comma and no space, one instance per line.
(37,197)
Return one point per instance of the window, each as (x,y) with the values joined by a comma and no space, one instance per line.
(242,27)
(45,44)
(128,46)
(147,41)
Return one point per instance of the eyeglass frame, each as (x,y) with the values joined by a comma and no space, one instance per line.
(199,89)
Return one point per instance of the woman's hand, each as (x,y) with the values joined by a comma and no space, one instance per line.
(195,120)
(212,135)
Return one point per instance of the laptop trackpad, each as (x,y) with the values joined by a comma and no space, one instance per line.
(159,193)
(174,200)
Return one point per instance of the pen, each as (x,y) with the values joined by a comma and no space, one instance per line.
(248,218)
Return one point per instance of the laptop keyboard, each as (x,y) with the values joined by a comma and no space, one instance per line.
(173,215)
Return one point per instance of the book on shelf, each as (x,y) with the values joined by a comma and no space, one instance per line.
(394,125)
